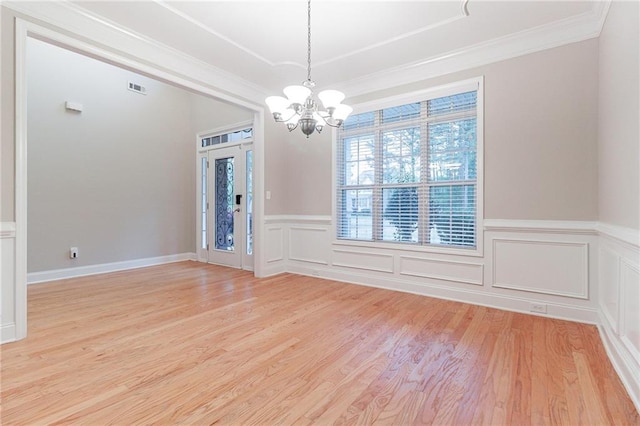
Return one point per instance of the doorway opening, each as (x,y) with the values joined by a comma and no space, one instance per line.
(225,202)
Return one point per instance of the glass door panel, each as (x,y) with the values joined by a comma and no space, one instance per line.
(227,220)
(224,203)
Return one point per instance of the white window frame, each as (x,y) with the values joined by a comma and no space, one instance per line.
(472,84)
(219,131)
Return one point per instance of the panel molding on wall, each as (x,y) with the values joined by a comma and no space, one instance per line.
(445,270)
(630,307)
(7,280)
(608,290)
(558,268)
(308,244)
(311,249)
(619,300)
(275,244)
(365,260)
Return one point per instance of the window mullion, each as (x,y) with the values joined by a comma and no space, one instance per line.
(423,207)
(378,173)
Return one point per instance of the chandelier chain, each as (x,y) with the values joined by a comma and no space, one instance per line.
(300,109)
(308,40)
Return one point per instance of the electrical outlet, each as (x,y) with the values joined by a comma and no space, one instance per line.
(540,308)
(73,252)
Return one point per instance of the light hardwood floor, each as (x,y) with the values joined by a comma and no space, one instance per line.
(188,343)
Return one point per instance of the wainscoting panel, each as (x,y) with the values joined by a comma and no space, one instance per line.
(609,285)
(369,261)
(309,244)
(619,302)
(630,307)
(274,245)
(7,282)
(540,266)
(447,270)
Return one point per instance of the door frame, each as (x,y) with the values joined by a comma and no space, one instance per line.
(204,252)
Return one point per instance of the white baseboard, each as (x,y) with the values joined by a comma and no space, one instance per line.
(8,333)
(273,269)
(59,274)
(627,369)
(491,300)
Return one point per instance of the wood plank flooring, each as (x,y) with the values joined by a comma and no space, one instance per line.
(189,343)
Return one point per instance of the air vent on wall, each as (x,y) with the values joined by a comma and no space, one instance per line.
(138,88)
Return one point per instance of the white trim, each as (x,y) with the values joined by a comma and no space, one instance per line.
(30,29)
(576,28)
(7,229)
(622,362)
(73,17)
(541,226)
(20,271)
(7,260)
(443,277)
(280,256)
(626,235)
(8,333)
(184,76)
(298,219)
(226,129)
(470,84)
(465,295)
(258,193)
(292,256)
(81,271)
(463,13)
(585,267)
(364,253)
(77,20)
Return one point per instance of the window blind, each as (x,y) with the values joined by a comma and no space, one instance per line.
(408,173)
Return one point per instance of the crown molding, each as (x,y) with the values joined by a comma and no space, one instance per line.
(463,13)
(71,19)
(85,25)
(574,29)
(215,33)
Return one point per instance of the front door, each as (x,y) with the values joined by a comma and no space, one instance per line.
(229,235)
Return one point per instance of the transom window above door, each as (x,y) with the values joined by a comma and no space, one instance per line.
(236,136)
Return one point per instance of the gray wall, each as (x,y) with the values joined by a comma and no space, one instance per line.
(540,139)
(118,179)
(618,118)
(7,101)
(297,171)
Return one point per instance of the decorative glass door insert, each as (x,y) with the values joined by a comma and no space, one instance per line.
(224,203)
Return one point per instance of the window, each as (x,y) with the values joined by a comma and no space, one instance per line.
(408,173)
(227,137)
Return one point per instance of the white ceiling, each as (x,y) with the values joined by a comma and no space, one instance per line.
(264,42)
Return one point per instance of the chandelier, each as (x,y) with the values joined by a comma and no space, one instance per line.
(300,109)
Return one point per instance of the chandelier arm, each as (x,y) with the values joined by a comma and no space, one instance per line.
(328,120)
(279,118)
(333,125)
(292,128)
